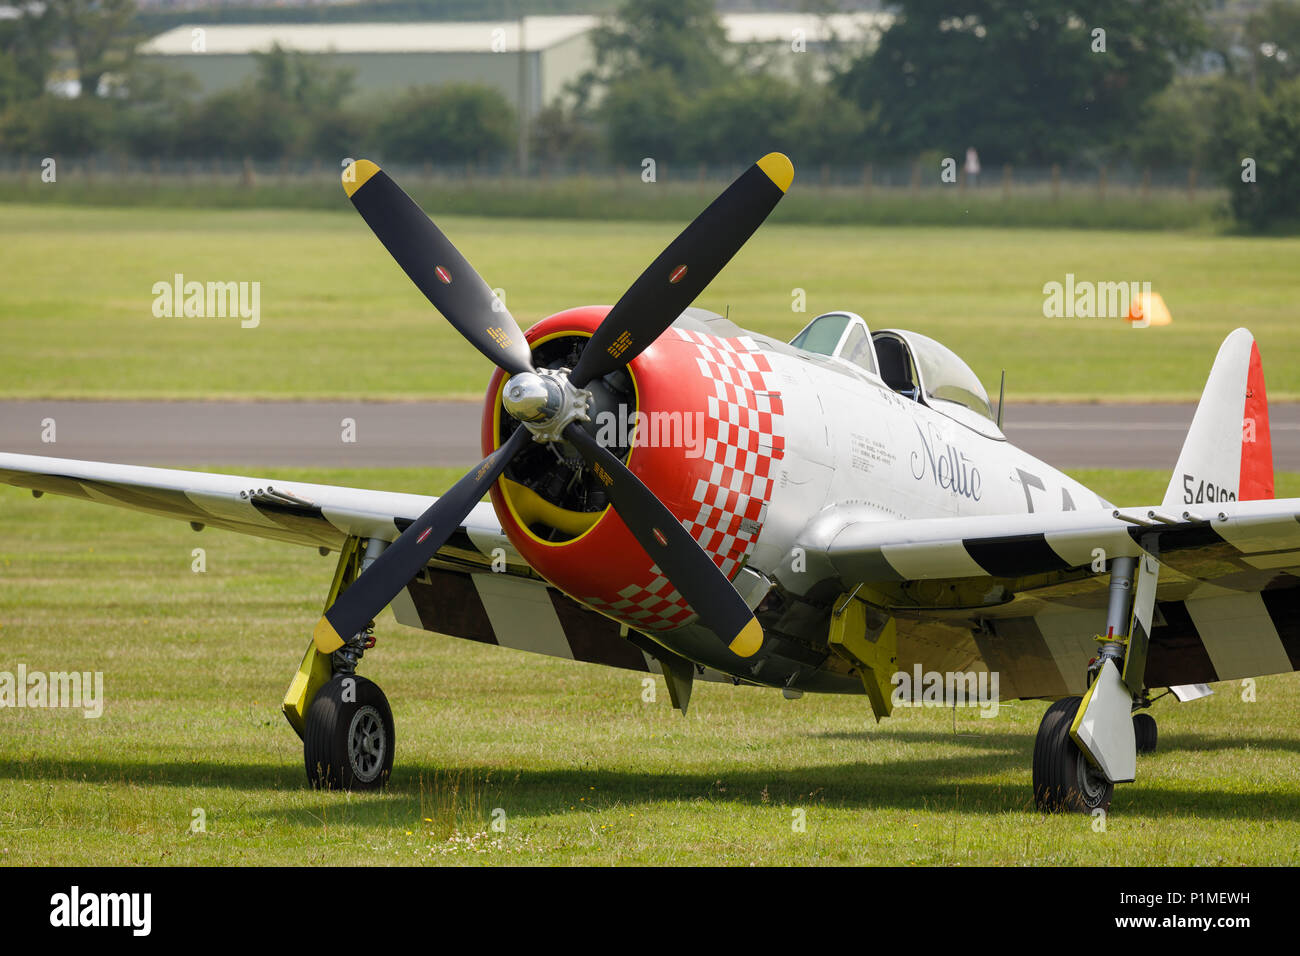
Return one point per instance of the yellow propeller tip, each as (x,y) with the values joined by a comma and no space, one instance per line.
(779,169)
(749,640)
(357,175)
(325,638)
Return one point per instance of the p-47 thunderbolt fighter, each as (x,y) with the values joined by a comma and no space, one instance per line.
(673,494)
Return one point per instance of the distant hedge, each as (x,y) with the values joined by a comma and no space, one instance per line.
(627,198)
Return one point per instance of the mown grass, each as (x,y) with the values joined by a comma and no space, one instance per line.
(339,319)
(584,770)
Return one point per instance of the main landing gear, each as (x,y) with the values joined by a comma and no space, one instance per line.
(344,720)
(1086,745)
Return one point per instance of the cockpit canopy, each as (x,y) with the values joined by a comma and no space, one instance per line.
(910,363)
(930,372)
(841,335)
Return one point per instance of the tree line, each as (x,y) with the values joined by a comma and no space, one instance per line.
(1159,84)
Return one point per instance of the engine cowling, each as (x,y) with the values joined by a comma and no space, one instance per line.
(695,417)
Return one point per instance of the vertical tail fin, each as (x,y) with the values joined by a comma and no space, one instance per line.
(1228,453)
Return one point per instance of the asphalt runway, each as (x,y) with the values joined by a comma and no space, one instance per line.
(266,434)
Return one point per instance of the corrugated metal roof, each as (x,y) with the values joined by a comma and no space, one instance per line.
(540,33)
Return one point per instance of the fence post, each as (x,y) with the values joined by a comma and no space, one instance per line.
(246,178)
(1191,184)
(1006,180)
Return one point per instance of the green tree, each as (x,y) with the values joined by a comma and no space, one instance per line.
(152,119)
(1021,80)
(26,53)
(650,59)
(754,114)
(682,38)
(1272,37)
(234,124)
(559,134)
(57,126)
(452,123)
(643,115)
(306,80)
(100,35)
(1272,143)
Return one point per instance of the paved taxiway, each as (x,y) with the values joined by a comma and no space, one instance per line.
(266,434)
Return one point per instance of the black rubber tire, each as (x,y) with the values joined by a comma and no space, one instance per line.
(365,717)
(1145,733)
(1064,780)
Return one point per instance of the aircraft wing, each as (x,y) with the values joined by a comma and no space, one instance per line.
(1031,589)
(322,516)
(460,593)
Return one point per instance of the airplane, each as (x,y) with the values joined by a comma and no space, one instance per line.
(672,494)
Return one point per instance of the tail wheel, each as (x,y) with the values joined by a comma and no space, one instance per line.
(1064,780)
(348,743)
(1144,733)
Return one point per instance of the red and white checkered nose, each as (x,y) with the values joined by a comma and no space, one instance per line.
(709,433)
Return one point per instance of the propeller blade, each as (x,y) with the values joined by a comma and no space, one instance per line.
(680,557)
(681,272)
(402,560)
(436,267)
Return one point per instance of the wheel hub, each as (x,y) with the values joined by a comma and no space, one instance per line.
(367,743)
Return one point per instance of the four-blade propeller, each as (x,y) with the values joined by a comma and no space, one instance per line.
(550,406)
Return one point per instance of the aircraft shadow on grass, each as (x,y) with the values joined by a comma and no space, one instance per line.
(950,784)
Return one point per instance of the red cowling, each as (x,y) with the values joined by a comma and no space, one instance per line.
(708,433)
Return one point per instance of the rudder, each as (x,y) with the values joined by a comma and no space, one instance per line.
(1228,452)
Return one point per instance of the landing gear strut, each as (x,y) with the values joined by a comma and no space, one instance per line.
(344,720)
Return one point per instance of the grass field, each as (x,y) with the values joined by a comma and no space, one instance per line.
(584,770)
(339,319)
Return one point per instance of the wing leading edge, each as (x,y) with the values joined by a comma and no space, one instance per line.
(321,516)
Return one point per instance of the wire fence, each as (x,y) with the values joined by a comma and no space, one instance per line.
(1005,181)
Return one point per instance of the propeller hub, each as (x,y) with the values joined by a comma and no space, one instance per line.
(545,402)
(531,398)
